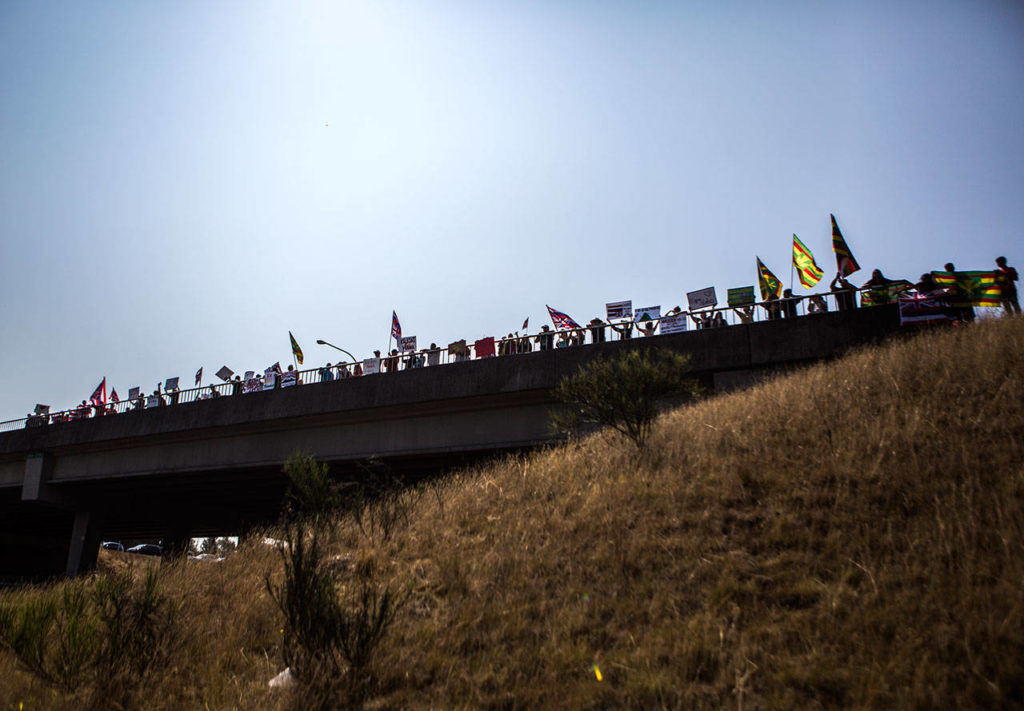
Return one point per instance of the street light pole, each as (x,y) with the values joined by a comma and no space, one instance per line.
(325,343)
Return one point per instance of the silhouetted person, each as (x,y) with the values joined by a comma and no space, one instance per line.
(772,306)
(962,305)
(845,293)
(788,304)
(1005,278)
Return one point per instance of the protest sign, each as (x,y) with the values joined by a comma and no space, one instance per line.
(42,409)
(371,366)
(484,347)
(676,323)
(171,384)
(741,296)
(152,401)
(133,393)
(225,373)
(619,309)
(269,378)
(249,375)
(407,343)
(252,385)
(289,378)
(647,313)
(702,298)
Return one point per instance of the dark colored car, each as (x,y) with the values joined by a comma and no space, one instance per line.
(113,546)
(147,549)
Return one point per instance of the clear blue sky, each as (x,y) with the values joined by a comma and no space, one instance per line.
(183,183)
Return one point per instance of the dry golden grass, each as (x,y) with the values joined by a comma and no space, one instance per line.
(849,536)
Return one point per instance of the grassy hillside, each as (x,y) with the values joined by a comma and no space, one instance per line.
(847,536)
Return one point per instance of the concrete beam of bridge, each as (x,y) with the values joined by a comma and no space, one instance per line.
(207,465)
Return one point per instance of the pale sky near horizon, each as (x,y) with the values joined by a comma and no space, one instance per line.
(183,183)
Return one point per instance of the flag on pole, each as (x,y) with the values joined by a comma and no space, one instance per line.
(810,273)
(844,257)
(396,328)
(769,283)
(199,376)
(562,321)
(526,323)
(113,396)
(99,395)
(296,351)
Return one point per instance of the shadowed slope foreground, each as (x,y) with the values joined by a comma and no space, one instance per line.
(848,536)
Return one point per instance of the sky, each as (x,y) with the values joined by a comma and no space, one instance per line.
(182,184)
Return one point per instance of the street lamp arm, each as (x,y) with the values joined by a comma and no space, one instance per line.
(321,342)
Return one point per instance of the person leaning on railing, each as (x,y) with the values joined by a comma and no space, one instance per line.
(788,303)
(624,329)
(772,306)
(326,373)
(546,338)
(844,292)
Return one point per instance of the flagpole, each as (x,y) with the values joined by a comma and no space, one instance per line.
(792,262)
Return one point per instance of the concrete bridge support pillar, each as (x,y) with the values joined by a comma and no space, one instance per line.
(85,543)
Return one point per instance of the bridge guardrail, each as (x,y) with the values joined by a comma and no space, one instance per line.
(794,306)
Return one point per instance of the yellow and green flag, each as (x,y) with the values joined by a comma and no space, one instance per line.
(768,282)
(844,257)
(810,273)
(970,288)
(296,351)
(880,295)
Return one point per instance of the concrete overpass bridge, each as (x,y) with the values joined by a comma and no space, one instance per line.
(213,467)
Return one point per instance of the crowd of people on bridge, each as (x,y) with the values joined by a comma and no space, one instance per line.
(952,293)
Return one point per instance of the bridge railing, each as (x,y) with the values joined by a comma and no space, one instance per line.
(719,316)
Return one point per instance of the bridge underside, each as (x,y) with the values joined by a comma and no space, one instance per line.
(34,536)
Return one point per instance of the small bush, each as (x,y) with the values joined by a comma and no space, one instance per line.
(109,641)
(622,393)
(312,494)
(331,628)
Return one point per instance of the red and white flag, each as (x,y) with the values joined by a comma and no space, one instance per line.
(562,321)
(199,376)
(99,395)
(113,396)
(396,328)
